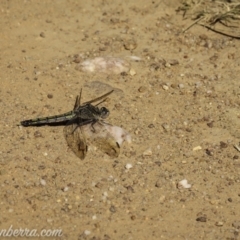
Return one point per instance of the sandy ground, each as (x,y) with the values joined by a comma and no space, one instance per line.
(180,103)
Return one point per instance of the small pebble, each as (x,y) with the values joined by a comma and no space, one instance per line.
(77,60)
(147,152)
(203,36)
(50,95)
(197,148)
(236,224)
(219,224)
(159,183)
(49,220)
(42,34)
(166,127)
(37,134)
(165,87)
(87,232)
(142,89)
(137,131)
(112,209)
(135,58)
(223,144)
(173,62)
(183,183)
(132,72)
(168,65)
(130,44)
(201,219)
(42,182)
(162,199)
(158,163)
(128,166)
(105,194)
(133,217)
(214,201)
(209,151)
(37,73)
(210,124)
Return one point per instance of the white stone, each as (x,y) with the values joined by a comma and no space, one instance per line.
(184,183)
(128,166)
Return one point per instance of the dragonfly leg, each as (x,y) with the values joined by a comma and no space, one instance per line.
(82,122)
(92,125)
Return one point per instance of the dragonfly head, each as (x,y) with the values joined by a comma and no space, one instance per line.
(104,112)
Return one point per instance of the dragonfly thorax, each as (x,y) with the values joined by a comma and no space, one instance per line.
(91,112)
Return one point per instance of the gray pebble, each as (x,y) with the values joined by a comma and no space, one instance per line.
(201,219)
(112,209)
(42,34)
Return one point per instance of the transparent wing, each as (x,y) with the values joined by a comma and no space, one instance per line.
(98,134)
(75,138)
(98,98)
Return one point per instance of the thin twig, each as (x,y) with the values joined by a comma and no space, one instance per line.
(237,147)
(192,24)
(217,31)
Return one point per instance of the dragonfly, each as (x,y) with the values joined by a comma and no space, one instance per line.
(84,111)
(84,124)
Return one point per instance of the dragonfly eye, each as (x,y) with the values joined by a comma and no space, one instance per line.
(104,112)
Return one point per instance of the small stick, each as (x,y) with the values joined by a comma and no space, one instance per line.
(237,147)
(192,24)
(217,31)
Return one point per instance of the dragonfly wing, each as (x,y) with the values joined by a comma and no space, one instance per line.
(98,134)
(75,138)
(78,101)
(98,98)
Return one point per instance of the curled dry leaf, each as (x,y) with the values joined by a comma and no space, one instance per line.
(119,134)
(104,65)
